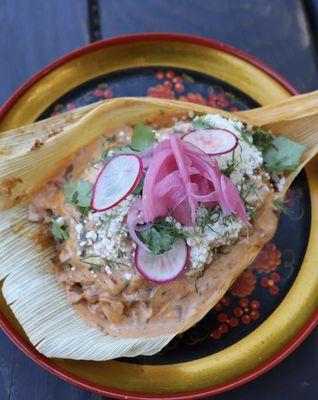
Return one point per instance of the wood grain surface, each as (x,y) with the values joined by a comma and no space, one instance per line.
(283,33)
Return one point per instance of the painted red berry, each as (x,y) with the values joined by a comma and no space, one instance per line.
(233,322)
(226,300)
(275,277)
(218,307)
(254,314)
(216,334)
(244,303)
(177,79)
(170,74)
(255,304)
(273,290)
(238,312)
(167,84)
(160,75)
(222,317)
(223,328)
(179,87)
(246,319)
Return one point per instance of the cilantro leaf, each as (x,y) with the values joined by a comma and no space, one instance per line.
(157,241)
(143,137)
(84,193)
(263,140)
(200,123)
(69,190)
(284,155)
(124,150)
(161,236)
(57,230)
(79,194)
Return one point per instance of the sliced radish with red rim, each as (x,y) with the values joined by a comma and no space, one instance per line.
(164,267)
(116,180)
(213,141)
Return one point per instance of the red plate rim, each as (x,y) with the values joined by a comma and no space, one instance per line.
(45,362)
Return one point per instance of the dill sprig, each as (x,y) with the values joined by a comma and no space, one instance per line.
(251,188)
(230,168)
(212,215)
(282,206)
(244,133)
(107,261)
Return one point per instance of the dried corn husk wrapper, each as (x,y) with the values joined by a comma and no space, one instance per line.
(30,157)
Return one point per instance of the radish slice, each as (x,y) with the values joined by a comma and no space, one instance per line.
(212,141)
(116,180)
(165,267)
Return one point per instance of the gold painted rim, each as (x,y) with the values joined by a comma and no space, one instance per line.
(299,303)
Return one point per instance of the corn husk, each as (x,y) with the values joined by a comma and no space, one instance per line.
(24,170)
(295,118)
(29,287)
(39,303)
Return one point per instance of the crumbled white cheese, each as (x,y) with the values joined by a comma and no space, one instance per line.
(127,276)
(279,181)
(79,228)
(108,270)
(91,235)
(203,241)
(106,233)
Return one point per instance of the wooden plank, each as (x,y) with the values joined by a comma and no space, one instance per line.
(33,33)
(274,31)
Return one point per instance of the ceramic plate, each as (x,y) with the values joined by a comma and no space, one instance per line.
(270,309)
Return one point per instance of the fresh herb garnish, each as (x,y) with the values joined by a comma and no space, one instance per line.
(79,194)
(228,219)
(211,217)
(110,263)
(143,137)
(58,231)
(250,188)
(120,253)
(227,171)
(263,140)
(200,123)
(284,155)
(282,206)
(250,210)
(244,133)
(162,235)
(138,189)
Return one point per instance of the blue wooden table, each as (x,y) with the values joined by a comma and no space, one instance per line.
(283,33)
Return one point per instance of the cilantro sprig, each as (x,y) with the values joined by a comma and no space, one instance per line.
(200,123)
(284,155)
(162,235)
(79,194)
(280,154)
(143,137)
(58,231)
